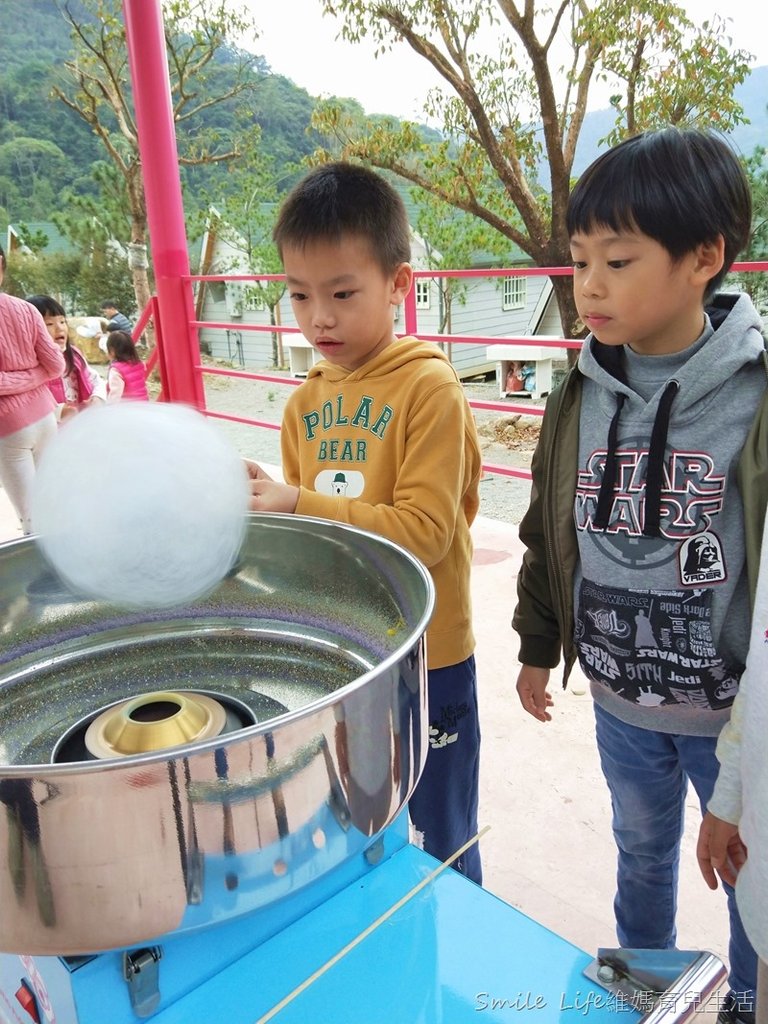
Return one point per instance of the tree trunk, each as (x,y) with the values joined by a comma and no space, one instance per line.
(569,318)
(141,288)
(138,260)
(277,337)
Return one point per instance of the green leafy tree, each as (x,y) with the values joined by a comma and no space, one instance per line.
(516,81)
(28,274)
(756,167)
(35,240)
(92,219)
(80,280)
(454,240)
(205,72)
(92,223)
(244,217)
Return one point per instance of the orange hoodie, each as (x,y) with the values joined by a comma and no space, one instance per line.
(392,448)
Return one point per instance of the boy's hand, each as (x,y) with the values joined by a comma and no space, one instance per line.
(720,850)
(254,470)
(269,496)
(532,691)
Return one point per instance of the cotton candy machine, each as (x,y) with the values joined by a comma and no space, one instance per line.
(270,729)
(202,808)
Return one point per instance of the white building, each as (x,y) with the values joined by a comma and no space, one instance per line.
(491,307)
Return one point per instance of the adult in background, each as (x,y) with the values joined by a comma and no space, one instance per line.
(117,321)
(28,360)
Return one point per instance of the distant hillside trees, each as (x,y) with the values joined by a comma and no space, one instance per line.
(206,72)
(42,147)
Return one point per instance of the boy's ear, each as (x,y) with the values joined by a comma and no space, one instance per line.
(402,279)
(709,259)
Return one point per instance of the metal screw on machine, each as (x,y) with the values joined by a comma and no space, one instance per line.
(606,974)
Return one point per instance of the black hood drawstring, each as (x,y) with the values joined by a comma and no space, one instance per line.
(608,483)
(654,475)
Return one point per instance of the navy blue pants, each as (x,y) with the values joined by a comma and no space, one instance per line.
(444,806)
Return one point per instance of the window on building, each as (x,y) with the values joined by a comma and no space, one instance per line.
(514,293)
(423,293)
(254,298)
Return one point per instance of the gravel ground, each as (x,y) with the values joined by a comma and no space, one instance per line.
(505,438)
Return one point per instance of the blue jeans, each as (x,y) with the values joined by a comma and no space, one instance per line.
(647,774)
(444,805)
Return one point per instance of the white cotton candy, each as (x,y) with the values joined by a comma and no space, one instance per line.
(142,504)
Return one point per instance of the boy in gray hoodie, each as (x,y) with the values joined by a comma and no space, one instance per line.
(649,493)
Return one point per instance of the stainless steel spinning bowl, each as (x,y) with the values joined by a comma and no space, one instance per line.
(314,644)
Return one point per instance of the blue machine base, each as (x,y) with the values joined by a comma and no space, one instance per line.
(449,953)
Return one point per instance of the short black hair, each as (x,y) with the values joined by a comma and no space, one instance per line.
(109,304)
(681,187)
(46,305)
(340,199)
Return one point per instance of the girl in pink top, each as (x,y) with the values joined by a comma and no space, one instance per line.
(127,376)
(28,359)
(80,386)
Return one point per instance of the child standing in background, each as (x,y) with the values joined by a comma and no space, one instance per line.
(80,385)
(127,377)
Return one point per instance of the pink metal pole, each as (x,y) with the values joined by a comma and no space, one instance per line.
(162,191)
(411,316)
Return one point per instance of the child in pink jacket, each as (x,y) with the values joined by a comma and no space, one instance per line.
(127,376)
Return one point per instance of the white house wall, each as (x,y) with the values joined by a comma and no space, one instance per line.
(550,321)
(481,314)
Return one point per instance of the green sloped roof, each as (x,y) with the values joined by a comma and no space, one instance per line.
(57,243)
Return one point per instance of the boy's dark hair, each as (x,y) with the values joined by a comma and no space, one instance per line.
(681,187)
(109,304)
(344,199)
(120,345)
(46,305)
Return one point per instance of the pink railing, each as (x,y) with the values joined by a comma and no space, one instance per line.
(411,328)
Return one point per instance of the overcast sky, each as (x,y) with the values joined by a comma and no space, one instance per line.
(300,43)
